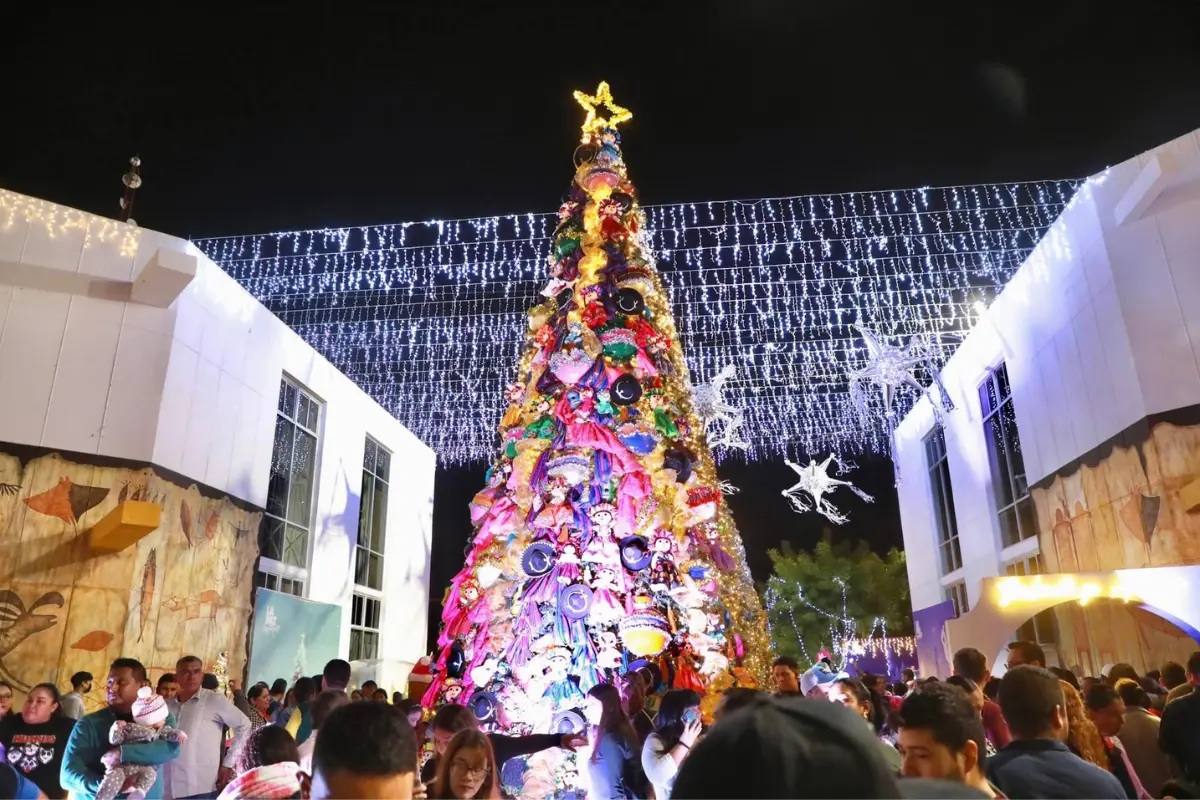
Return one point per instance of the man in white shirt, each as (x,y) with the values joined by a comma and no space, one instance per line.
(324,703)
(203,715)
(71,704)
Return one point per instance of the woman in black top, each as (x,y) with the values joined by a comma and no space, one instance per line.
(36,739)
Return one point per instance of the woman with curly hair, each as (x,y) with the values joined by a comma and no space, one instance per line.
(1082,736)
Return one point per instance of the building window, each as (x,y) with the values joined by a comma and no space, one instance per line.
(958,595)
(1009,484)
(284,535)
(1043,628)
(372,517)
(943,501)
(275,583)
(364,627)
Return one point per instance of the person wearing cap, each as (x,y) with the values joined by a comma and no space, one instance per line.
(84,766)
(71,704)
(1037,762)
(814,682)
(942,736)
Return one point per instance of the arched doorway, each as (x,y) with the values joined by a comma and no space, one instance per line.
(1138,616)
(1086,638)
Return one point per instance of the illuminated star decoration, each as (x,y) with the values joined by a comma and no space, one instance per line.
(593,124)
(722,421)
(816,482)
(890,367)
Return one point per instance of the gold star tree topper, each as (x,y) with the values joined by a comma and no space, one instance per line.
(593,124)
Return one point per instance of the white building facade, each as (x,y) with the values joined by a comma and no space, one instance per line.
(1073,452)
(127,345)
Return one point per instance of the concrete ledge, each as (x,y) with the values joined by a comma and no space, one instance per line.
(163,278)
(160,282)
(1145,189)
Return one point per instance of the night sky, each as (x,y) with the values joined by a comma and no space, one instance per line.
(252,121)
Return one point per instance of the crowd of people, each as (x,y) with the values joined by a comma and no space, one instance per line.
(1034,733)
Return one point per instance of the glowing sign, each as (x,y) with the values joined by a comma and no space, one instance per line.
(1034,589)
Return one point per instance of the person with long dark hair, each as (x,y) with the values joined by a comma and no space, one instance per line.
(613,769)
(468,770)
(676,729)
(36,739)
(851,693)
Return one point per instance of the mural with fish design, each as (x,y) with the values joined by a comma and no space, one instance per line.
(1119,507)
(184,588)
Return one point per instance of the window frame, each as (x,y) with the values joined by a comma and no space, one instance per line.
(941,491)
(360,629)
(273,573)
(956,593)
(992,420)
(377,547)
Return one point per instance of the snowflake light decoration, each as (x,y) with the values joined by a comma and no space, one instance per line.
(890,367)
(816,482)
(722,420)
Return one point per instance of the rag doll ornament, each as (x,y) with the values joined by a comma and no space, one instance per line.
(149,725)
(463,610)
(663,573)
(608,654)
(602,548)
(606,602)
(557,512)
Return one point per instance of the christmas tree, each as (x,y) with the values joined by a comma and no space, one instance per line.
(603,544)
(300,665)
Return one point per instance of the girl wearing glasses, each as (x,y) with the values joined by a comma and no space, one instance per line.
(467,771)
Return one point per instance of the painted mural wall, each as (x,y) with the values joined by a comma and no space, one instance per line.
(183,589)
(1121,511)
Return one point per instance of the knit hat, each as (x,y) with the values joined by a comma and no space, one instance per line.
(149,709)
(792,747)
(270,781)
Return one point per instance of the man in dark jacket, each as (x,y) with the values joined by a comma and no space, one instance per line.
(1037,763)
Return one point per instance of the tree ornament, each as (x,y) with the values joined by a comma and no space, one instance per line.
(816,482)
(722,421)
(593,123)
(889,368)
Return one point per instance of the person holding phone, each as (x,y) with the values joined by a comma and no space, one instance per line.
(676,729)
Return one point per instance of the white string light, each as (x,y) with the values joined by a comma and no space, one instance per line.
(429,318)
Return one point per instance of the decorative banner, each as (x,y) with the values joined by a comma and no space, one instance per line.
(933,646)
(292,636)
